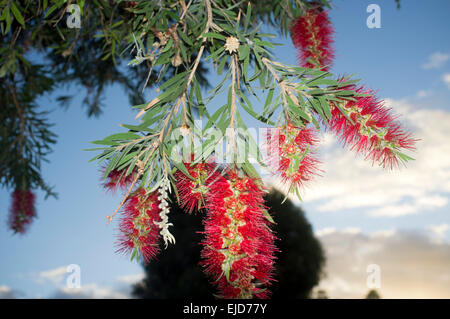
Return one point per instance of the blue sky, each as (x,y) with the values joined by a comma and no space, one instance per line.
(406,61)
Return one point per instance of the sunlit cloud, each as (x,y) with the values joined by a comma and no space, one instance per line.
(439,231)
(350,182)
(56,275)
(412,264)
(131,279)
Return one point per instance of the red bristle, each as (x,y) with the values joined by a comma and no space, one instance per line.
(312,35)
(22,210)
(238,252)
(137,225)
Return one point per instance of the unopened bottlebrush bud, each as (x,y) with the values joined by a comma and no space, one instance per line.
(231,44)
(164,224)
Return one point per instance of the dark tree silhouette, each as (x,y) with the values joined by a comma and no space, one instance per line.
(321,294)
(176,273)
(373,294)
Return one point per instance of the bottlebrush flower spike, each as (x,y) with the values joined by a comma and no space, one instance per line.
(139,234)
(238,249)
(22,210)
(192,192)
(372,131)
(312,35)
(291,154)
(116,179)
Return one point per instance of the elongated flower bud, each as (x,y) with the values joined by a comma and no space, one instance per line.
(238,252)
(192,191)
(291,153)
(139,234)
(164,224)
(22,210)
(368,127)
(312,35)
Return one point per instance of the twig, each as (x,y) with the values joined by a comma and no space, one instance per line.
(286,88)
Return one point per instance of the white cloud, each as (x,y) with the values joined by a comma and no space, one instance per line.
(131,279)
(439,230)
(56,275)
(412,264)
(436,61)
(350,182)
(420,204)
(446,79)
(90,291)
(119,290)
(7,293)
(352,230)
(325,231)
(384,233)
(423,93)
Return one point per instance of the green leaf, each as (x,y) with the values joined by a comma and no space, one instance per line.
(51,9)
(172,81)
(135,254)
(215,116)
(185,37)
(222,64)
(17,14)
(214,35)
(268,217)
(182,168)
(248,16)
(269,98)
(325,107)
(345,93)
(316,106)
(8,21)
(297,110)
(122,136)
(404,157)
(244,51)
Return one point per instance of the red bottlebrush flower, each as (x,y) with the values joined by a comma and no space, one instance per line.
(138,232)
(116,179)
(192,192)
(22,210)
(238,252)
(372,131)
(312,35)
(131,4)
(291,154)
